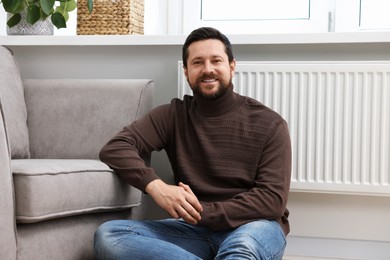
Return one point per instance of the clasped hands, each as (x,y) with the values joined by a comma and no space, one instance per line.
(179,201)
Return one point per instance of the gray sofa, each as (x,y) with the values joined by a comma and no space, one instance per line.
(54,190)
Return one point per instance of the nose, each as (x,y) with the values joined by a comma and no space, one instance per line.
(208,67)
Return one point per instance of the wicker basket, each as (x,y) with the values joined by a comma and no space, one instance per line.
(110,17)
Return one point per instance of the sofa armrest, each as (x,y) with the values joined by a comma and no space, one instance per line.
(74,118)
(7,199)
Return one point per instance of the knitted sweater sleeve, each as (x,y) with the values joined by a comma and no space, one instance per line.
(268,198)
(124,153)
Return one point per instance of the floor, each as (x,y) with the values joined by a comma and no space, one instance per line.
(309,258)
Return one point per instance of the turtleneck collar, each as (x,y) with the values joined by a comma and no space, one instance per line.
(219,106)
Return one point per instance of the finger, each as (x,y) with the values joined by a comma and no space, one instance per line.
(174,214)
(186,216)
(186,188)
(178,206)
(190,210)
(193,200)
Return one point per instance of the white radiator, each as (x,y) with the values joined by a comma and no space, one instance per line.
(338,115)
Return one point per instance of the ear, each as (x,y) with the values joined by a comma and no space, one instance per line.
(232,67)
(185,72)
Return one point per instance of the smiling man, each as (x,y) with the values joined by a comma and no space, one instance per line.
(208,70)
(231,158)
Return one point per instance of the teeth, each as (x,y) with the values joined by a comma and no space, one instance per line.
(209,80)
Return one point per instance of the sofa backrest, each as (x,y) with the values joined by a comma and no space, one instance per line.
(13,104)
(74,118)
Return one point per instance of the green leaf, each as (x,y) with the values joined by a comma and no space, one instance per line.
(90,5)
(58,20)
(69,6)
(21,8)
(61,10)
(11,6)
(14,20)
(33,14)
(43,15)
(47,6)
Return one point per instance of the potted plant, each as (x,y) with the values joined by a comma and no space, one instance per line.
(35,10)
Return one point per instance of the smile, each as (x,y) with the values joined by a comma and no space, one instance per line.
(209,80)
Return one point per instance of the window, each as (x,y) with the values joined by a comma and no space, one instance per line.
(374,14)
(256,16)
(286,16)
(220,10)
(362,15)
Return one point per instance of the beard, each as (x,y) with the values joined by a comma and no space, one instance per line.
(222,88)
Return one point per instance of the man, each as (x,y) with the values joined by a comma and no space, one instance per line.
(231,158)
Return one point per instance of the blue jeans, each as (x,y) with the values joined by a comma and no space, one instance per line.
(173,239)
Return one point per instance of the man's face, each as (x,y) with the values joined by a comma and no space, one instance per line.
(208,71)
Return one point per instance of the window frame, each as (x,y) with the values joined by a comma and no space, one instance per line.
(350,23)
(318,21)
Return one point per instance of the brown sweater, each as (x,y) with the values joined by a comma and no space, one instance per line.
(233,152)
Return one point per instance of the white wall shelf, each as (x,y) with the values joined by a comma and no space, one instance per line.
(109,40)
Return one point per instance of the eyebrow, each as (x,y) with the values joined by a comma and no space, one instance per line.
(213,57)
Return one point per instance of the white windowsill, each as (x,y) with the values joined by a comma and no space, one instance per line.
(118,40)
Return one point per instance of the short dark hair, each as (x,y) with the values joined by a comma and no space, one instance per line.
(205,33)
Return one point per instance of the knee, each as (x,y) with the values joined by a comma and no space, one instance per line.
(103,231)
(103,240)
(261,240)
(239,247)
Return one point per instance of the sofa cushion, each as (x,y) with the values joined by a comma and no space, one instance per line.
(48,189)
(74,118)
(12,97)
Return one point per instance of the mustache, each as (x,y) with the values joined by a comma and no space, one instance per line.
(206,76)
